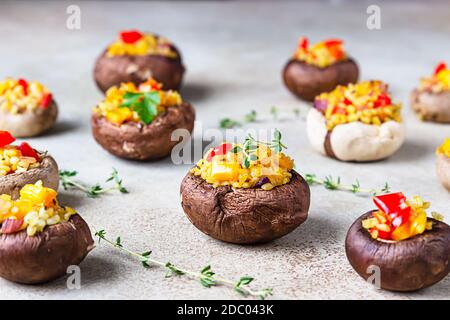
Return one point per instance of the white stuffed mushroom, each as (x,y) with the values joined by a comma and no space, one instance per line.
(357,122)
(431,99)
(27,109)
(443,163)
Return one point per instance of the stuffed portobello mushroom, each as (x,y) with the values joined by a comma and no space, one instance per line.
(137,122)
(27,109)
(136,56)
(21,165)
(411,250)
(245,193)
(443,163)
(431,100)
(358,122)
(319,68)
(39,238)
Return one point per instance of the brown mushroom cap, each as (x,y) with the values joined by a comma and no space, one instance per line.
(406,265)
(29,123)
(47,172)
(46,255)
(136,141)
(112,71)
(307,81)
(245,216)
(443,170)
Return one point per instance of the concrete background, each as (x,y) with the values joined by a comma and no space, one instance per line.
(234,53)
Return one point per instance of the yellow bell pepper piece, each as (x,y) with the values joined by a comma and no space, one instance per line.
(38,194)
(222,171)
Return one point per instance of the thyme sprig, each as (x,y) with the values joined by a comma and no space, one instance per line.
(250,147)
(205,276)
(94,191)
(331,183)
(228,123)
(252,116)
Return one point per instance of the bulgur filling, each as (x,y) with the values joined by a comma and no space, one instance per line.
(253,164)
(16,159)
(136,43)
(439,81)
(142,103)
(321,54)
(399,218)
(36,208)
(444,148)
(368,102)
(19,96)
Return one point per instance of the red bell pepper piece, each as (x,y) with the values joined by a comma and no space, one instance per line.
(156,86)
(303,43)
(384,235)
(391,203)
(24,84)
(333,42)
(347,102)
(383,100)
(441,66)
(28,151)
(131,36)
(6,138)
(224,148)
(45,101)
(11,225)
(401,217)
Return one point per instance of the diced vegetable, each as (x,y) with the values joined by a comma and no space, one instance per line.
(24,84)
(441,66)
(11,225)
(131,36)
(28,151)
(46,100)
(223,171)
(6,138)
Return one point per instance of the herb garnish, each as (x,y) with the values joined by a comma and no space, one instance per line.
(274,113)
(144,103)
(206,276)
(331,183)
(228,123)
(66,178)
(250,147)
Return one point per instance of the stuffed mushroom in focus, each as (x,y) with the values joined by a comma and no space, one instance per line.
(27,109)
(358,122)
(411,250)
(431,100)
(245,193)
(39,238)
(319,68)
(443,163)
(21,165)
(137,122)
(136,56)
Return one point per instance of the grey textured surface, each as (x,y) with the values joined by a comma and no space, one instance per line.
(234,53)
